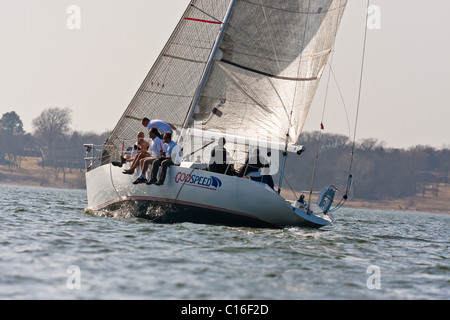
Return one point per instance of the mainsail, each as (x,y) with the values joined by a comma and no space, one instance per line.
(258,82)
(272,57)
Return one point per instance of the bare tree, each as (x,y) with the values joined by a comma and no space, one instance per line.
(52,124)
(52,127)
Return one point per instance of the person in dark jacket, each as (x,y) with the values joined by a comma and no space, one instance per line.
(219,156)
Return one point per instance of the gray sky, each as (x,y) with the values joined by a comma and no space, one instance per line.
(97,69)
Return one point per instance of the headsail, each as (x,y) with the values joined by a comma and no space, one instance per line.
(272,56)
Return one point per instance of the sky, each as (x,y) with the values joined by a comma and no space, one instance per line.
(95,64)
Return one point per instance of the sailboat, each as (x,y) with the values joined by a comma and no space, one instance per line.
(243,70)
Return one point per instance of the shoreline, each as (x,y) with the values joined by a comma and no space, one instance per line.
(36,185)
(399,205)
(357,204)
(31,174)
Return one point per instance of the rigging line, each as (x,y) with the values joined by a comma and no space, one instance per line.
(284,159)
(359,98)
(279,97)
(334,77)
(193,5)
(112,180)
(229,165)
(326,90)
(343,102)
(179,190)
(290,187)
(270,35)
(321,122)
(201,148)
(316,158)
(283,166)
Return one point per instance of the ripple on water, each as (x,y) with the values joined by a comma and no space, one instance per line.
(43,231)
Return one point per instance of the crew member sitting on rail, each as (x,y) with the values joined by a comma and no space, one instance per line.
(170,156)
(136,155)
(155,152)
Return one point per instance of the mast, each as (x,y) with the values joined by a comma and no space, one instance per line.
(207,69)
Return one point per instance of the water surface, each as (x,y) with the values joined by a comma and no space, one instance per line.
(51,249)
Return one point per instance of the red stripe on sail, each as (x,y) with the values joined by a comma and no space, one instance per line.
(200,20)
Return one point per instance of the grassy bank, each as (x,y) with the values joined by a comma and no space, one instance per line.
(31,174)
(422,203)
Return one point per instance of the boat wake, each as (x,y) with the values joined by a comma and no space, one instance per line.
(132,209)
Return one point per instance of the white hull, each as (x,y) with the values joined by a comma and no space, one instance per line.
(193,195)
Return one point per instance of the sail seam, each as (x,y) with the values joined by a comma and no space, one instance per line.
(265,73)
(184,59)
(165,94)
(294,11)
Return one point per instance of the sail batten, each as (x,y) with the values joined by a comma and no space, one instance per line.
(267,74)
(184,59)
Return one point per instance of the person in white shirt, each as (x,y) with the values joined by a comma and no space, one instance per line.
(161,125)
(171,156)
(156,146)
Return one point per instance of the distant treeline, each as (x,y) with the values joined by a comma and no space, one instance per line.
(59,147)
(379,172)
